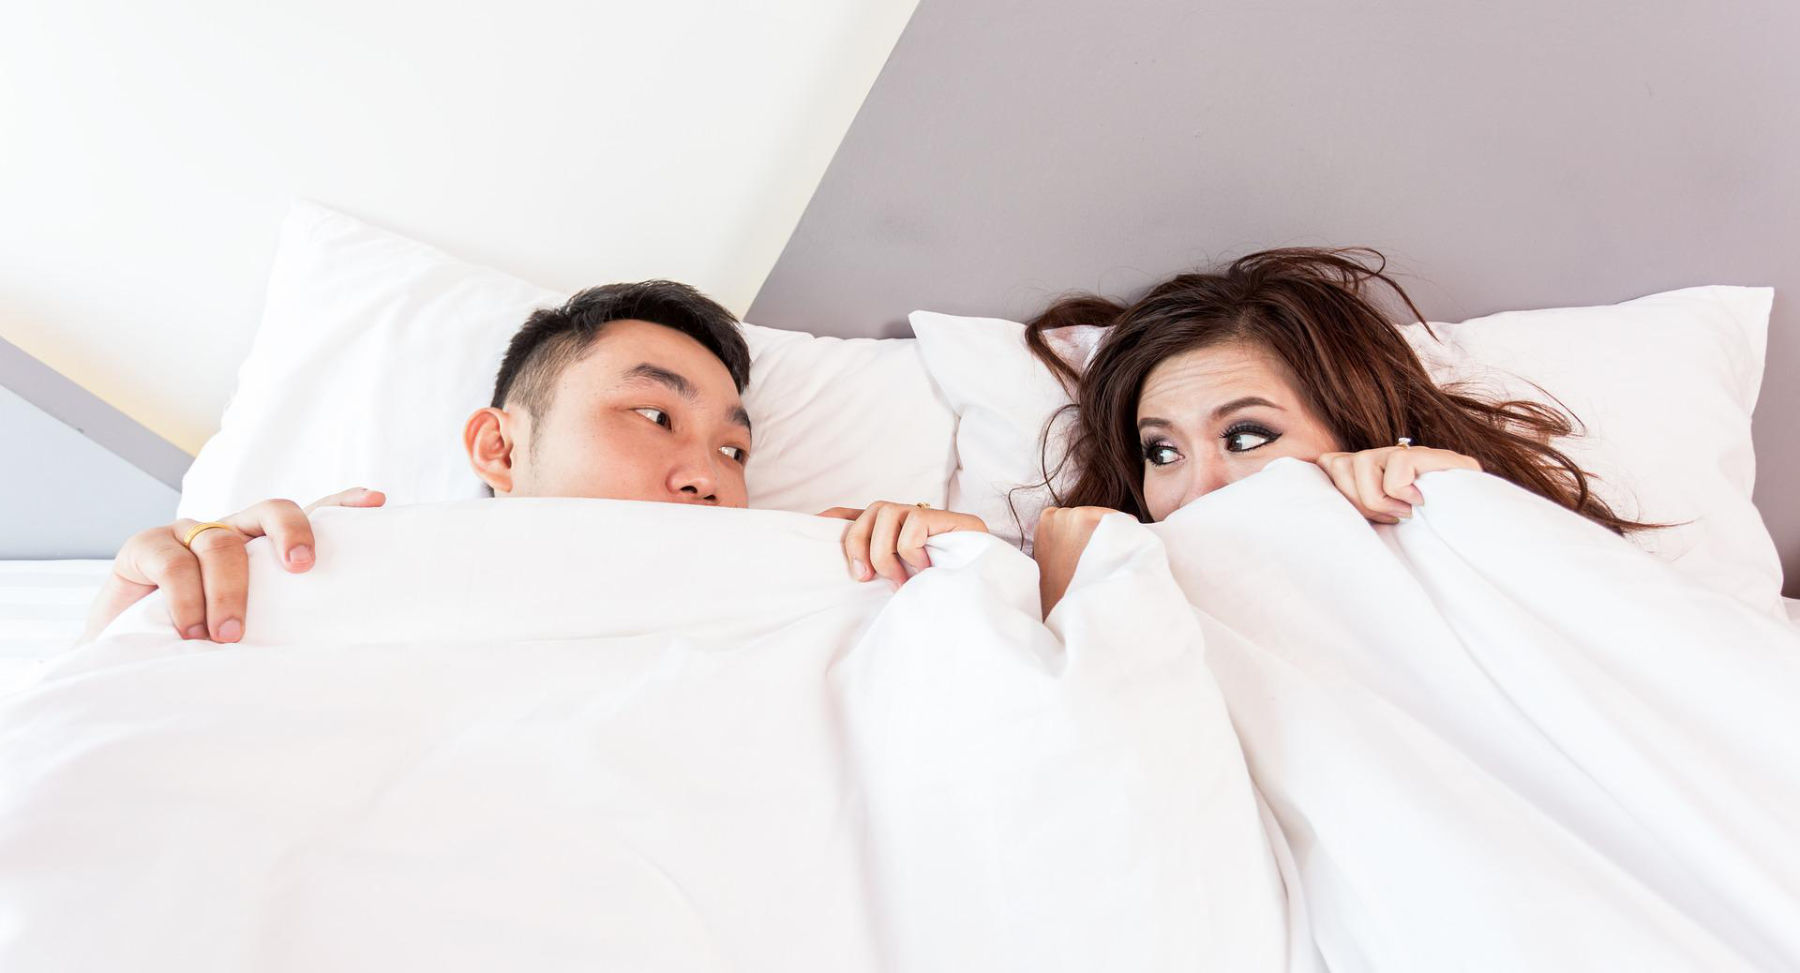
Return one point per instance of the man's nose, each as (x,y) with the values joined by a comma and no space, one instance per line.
(696,477)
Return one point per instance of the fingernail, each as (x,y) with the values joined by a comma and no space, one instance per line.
(300,554)
(195,632)
(231,630)
(859,570)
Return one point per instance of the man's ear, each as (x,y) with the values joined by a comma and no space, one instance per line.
(489,437)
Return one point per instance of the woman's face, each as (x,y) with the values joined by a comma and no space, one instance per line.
(1216,415)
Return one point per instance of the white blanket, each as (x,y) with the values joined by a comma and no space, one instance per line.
(546,735)
(1498,737)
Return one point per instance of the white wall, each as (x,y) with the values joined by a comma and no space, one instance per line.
(148,151)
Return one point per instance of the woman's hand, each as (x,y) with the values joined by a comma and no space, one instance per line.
(1062,535)
(1380,481)
(206,585)
(885,537)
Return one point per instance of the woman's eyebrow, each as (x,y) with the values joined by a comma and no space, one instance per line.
(1248,401)
(1243,403)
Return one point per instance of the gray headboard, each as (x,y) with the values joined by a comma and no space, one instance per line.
(1530,154)
(90,476)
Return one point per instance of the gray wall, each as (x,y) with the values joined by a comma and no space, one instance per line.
(80,476)
(1530,154)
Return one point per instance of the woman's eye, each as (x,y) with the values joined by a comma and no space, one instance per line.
(657,416)
(734,452)
(1245,439)
(1160,454)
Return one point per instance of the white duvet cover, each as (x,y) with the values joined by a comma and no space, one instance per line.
(584,734)
(1497,737)
(545,735)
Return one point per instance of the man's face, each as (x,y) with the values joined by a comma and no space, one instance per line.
(646,414)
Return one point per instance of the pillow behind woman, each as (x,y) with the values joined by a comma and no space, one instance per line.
(1664,387)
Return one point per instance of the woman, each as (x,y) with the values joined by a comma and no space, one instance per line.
(1209,377)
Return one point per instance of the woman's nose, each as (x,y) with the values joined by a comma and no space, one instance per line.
(1208,474)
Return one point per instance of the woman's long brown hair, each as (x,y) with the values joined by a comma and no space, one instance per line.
(1311,309)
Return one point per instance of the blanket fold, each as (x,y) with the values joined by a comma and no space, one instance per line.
(1497,736)
(593,734)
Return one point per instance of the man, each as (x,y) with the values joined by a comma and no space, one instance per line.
(626,392)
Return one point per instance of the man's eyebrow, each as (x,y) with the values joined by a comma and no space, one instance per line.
(673,381)
(1243,403)
(678,383)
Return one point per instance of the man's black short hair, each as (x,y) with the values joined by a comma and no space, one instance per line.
(552,338)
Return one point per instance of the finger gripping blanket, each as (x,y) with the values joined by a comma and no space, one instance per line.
(569,734)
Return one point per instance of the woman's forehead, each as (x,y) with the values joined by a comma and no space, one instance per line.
(1192,380)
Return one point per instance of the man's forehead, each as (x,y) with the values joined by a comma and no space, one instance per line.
(622,346)
(630,333)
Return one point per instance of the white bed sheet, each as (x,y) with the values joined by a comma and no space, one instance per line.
(43,605)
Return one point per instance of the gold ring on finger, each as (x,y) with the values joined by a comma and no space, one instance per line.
(198,529)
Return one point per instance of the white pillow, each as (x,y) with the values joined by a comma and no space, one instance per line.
(374,349)
(1003,398)
(1664,386)
(844,422)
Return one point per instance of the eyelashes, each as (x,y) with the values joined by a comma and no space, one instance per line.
(1243,437)
(1159,453)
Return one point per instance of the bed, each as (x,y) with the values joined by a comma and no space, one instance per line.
(1454,769)
(723,753)
(728,754)
(43,606)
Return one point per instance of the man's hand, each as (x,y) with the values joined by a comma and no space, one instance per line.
(885,537)
(207,585)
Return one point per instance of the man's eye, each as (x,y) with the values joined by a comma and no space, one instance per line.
(734,452)
(1160,454)
(657,416)
(1242,439)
